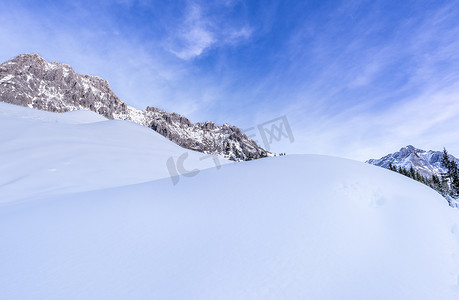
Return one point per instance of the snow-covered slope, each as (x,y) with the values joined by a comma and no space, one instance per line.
(73,226)
(43,153)
(265,229)
(29,80)
(424,164)
(427,163)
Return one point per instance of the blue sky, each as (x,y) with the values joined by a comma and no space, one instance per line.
(357,79)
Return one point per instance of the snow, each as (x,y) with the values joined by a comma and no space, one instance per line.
(426,162)
(133,114)
(46,153)
(11,113)
(6,78)
(289,227)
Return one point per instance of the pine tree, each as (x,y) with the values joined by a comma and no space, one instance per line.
(444,184)
(412,173)
(405,172)
(435,180)
(454,179)
(447,164)
(451,175)
(419,177)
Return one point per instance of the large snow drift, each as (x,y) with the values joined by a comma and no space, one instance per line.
(292,227)
(45,153)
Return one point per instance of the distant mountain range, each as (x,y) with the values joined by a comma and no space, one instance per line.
(427,163)
(424,164)
(29,80)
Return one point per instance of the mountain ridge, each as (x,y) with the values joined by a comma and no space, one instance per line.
(29,80)
(427,163)
(424,166)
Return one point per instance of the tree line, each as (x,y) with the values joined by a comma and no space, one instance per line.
(447,184)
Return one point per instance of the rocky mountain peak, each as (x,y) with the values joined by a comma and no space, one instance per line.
(427,163)
(410,148)
(29,80)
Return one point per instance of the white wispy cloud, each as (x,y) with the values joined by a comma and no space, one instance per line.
(193,36)
(405,88)
(200,32)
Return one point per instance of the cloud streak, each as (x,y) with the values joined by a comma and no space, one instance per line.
(194,35)
(199,32)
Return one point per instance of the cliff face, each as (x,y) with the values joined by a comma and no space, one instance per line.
(29,80)
(427,163)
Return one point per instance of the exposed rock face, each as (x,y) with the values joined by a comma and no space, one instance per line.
(427,163)
(29,80)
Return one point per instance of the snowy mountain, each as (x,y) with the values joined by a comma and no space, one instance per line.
(88,211)
(45,153)
(29,80)
(427,163)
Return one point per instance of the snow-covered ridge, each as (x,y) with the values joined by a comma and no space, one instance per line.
(345,231)
(29,80)
(427,163)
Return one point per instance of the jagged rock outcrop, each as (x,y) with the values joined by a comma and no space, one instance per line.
(427,163)
(421,165)
(29,80)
